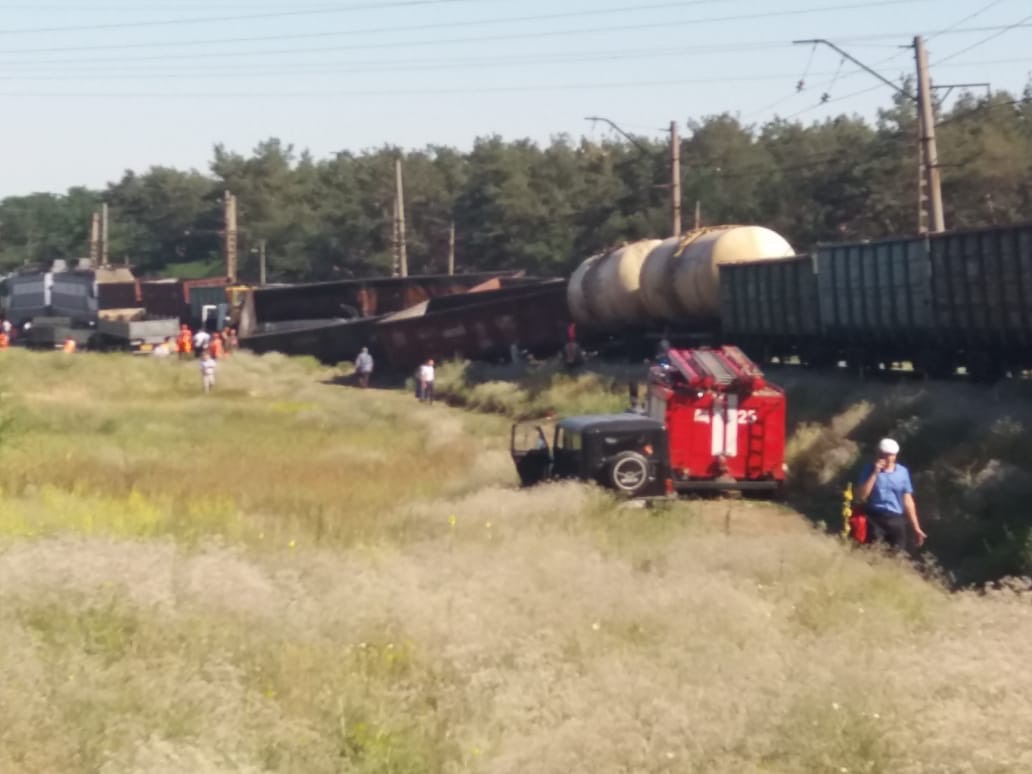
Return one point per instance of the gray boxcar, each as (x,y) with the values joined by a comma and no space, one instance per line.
(982,288)
(771,310)
(773,298)
(875,291)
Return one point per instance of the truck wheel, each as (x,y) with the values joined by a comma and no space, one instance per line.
(628,473)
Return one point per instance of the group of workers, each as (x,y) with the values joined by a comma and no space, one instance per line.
(187,343)
(209,348)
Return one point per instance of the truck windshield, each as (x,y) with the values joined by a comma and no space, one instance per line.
(567,441)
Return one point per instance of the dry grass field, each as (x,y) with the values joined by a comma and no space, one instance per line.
(292,576)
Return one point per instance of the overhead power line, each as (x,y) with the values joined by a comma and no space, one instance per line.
(42,73)
(398,67)
(1020,23)
(321,11)
(378,92)
(440,25)
(833,100)
(966,19)
(376,30)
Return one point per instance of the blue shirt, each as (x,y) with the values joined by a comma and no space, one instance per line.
(889,488)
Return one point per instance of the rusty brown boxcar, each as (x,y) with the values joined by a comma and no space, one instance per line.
(359,298)
(481,325)
(119,295)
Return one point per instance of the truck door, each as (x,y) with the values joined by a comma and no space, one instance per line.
(529,449)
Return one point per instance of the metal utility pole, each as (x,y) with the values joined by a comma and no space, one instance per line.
(929,150)
(400,204)
(104,243)
(698,214)
(930,213)
(95,240)
(262,244)
(230,207)
(451,248)
(675,178)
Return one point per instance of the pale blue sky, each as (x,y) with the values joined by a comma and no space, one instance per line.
(149,84)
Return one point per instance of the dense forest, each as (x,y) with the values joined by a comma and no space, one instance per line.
(543,208)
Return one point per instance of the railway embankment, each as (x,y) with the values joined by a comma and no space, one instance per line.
(968,446)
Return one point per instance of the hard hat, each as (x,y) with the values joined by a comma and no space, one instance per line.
(888,446)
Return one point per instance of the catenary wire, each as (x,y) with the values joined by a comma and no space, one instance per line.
(295,13)
(514,36)
(983,41)
(965,20)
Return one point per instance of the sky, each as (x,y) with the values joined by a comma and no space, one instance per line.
(91,88)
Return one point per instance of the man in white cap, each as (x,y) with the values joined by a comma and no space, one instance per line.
(888,493)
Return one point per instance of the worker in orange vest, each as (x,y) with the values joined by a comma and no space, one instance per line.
(184,342)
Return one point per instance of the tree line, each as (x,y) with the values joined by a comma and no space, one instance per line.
(543,208)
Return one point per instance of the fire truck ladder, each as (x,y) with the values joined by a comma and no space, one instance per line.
(755,450)
(711,362)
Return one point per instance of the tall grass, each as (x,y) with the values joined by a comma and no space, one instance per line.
(525,391)
(967,446)
(295,577)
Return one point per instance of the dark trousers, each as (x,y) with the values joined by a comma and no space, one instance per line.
(887,527)
(427,392)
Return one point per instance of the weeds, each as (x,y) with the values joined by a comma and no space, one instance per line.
(298,577)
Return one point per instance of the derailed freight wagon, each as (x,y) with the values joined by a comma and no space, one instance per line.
(330,341)
(350,299)
(480,325)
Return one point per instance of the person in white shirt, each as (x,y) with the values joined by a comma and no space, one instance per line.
(426,382)
(201,340)
(208,366)
(364,367)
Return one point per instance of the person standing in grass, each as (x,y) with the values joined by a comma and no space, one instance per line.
(888,495)
(208,366)
(364,367)
(184,343)
(201,341)
(426,382)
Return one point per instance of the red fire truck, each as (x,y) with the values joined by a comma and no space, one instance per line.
(714,423)
(724,420)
